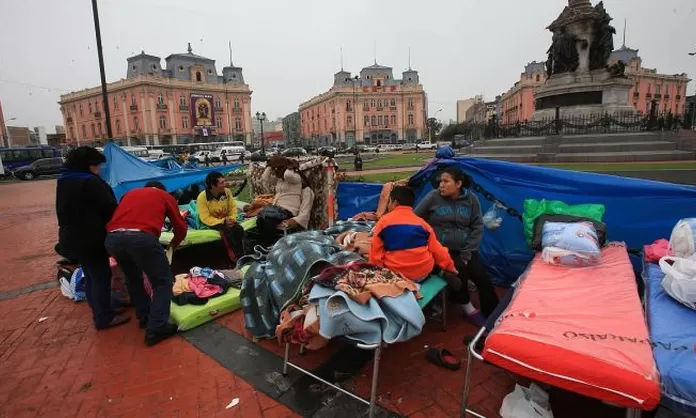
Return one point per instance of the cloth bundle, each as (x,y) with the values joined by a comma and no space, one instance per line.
(570,244)
(359,242)
(199,285)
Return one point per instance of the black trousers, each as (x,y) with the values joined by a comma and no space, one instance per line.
(233,239)
(267,223)
(475,271)
(98,287)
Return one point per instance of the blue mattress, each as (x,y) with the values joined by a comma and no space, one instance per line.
(673,336)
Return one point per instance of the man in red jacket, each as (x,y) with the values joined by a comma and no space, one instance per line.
(133,240)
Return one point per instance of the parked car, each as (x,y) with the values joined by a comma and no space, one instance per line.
(200,156)
(42,167)
(426,145)
(327,151)
(409,147)
(294,152)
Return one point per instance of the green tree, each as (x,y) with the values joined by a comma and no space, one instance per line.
(434,127)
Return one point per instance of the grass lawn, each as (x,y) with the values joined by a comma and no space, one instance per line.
(397,160)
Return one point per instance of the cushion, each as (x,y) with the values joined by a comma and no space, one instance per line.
(190,316)
(430,288)
(579,237)
(202,236)
(600,228)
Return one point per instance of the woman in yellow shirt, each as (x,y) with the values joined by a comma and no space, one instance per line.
(218,210)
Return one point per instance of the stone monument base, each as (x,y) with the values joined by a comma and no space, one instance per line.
(583,94)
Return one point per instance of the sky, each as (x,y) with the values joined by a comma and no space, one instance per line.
(289,49)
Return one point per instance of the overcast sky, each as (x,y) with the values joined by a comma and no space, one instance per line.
(290,49)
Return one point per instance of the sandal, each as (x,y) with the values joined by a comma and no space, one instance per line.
(116,321)
(443,358)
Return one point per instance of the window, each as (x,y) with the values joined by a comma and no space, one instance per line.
(199,76)
(118,126)
(217,102)
(236,103)
(84,131)
(72,133)
(538,78)
(80,109)
(367,120)
(210,71)
(90,107)
(349,120)
(238,124)
(373,121)
(99,128)
(366,106)
(136,125)
(133,102)
(393,103)
(182,100)
(115,103)
(379,83)
(410,119)
(94,130)
(184,122)
(181,68)
(410,104)
(96,106)
(218,122)
(160,99)
(657,89)
(348,106)
(35,154)
(379,120)
(379,104)
(372,103)
(163,122)
(393,120)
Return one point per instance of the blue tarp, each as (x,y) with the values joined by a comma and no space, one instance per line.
(124,171)
(673,338)
(637,211)
(168,163)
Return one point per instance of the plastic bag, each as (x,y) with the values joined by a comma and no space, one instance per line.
(680,279)
(491,219)
(535,208)
(682,243)
(532,402)
(562,257)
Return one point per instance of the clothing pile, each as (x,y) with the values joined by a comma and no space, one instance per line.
(358,301)
(258,204)
(199,285)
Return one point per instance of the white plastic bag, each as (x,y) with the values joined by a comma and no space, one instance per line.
(491,219)
(562,257)
(680,279)
(532,402)
(683,239)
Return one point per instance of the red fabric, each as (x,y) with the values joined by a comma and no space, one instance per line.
(655,251)
(145,209)
(580,329)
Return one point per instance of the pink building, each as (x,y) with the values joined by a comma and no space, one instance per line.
(373,108)
(517,105)
(183,103)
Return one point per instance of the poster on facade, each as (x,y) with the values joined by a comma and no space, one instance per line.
(202,109)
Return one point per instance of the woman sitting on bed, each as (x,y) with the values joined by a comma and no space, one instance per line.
(218,210)
(454,212)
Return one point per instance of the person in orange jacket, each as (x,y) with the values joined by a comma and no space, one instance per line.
(405,243)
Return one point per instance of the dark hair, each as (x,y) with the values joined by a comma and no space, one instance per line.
(458,175)
(156,184)
(81,158)
(403,195)
(212,178)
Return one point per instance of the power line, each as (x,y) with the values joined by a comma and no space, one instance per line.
(20,83)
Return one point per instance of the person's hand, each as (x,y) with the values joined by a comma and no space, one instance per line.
(289,224)
(230,222)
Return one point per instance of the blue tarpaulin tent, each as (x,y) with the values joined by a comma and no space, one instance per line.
(168,163)
(637,211)
(124,171)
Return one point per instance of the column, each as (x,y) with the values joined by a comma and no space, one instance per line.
(246,108)
(126,119)
(173,125)
(230,136)
(146,130)
(153,119)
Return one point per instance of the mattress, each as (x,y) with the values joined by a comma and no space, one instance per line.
(201,236)
(191,316)
(673,338)
(580,329)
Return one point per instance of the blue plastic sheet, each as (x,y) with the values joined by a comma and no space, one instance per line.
(124,171)
(637,211)
(168,163)
(673,338)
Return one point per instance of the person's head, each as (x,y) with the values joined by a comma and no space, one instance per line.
(85,159)
(215,183)
(452,182)
(401,196)
(156,185)
(279,164)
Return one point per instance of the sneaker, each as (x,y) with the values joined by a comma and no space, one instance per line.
(157,336)
(477,319)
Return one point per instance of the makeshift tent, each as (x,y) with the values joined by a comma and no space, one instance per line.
(124,171)
(168,163)
(637,211)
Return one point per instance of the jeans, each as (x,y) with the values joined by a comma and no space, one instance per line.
(98,288)
(267,223)
(233,239)
(475,271)
(138,252)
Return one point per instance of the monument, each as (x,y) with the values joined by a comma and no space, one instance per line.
(580,81)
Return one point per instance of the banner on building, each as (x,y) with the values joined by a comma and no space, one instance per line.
(202,109)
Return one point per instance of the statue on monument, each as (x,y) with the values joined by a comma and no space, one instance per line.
(603,43)
(563,54)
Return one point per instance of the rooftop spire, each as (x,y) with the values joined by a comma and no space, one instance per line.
(190,50)
(409,57)
(230,46)
(341,58)
(624,34)
(375,52)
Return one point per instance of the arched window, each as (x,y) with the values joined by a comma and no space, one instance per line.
(182,100)
(373,121)
(393,103)
(160,99)
(236,103)
(199,77)
(163,122)
(238,124)
(217,102)
(349,120)
(393,120)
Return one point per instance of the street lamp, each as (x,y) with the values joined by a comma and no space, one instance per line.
(430,128)
(261,117)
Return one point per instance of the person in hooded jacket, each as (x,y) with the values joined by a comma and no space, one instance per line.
(84,205)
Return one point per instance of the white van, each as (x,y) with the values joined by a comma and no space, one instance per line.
(231,151)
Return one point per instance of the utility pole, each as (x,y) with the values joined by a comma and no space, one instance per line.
(105,97)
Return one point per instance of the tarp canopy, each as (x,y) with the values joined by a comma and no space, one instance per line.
(168,163)
(637,211)
(124,171)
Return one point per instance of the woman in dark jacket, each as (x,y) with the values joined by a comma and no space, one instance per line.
(84,205)
(454,212)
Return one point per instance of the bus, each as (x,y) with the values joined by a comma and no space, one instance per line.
(15,157)
(194,147)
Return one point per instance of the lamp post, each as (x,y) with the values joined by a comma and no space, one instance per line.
(102,72)
(430,128)
(262,117)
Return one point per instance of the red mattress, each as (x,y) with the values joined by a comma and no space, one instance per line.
(580,329)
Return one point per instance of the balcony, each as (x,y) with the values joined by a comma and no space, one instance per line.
(161,106)
(658,96)
(165,131)
(97,114)
(134,108)
(648,95)
(218,109)
(69,119)
(183,108)
(666,96)
(237,109)
(393,108)
(636,95)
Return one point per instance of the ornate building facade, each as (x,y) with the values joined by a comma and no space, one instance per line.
(371,108)
(185,102)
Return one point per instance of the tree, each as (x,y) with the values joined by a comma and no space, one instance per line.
(434,127)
